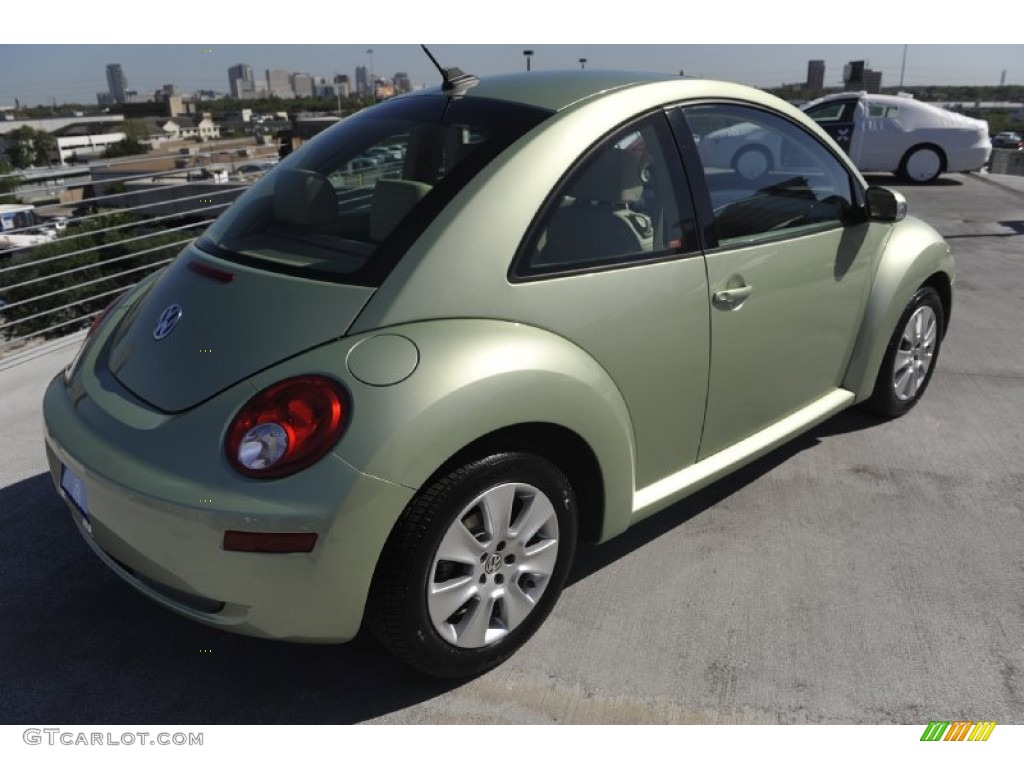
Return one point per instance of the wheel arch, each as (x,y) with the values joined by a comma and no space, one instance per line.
(485,386)
(914,256)
(557,444)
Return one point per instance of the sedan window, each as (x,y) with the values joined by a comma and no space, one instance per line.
(766,177)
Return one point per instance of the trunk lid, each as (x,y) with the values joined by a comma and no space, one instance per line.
(207,324)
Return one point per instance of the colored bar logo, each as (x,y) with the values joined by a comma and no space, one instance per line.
(958,730)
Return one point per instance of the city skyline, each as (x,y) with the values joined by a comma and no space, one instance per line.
(41,74)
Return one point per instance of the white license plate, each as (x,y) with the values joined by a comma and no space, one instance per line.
(75,489)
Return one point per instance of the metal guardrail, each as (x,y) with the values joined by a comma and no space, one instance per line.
(59,283)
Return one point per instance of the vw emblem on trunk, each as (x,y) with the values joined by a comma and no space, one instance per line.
(168,320)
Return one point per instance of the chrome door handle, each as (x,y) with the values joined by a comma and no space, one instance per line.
(730,298)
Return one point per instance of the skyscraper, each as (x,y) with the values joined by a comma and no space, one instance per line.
(241,81)
(362,81)
(279,83)
(302,84)
(117,83)
(816,74)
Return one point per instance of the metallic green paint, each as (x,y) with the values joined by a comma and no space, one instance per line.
(788,344)
(227,330)
(913,254)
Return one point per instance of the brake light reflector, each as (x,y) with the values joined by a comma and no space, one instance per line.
(287,427)
(253,541)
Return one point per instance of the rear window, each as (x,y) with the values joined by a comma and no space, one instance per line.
(347,205)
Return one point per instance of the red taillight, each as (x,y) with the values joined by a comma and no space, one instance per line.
(254,541)
(287,427)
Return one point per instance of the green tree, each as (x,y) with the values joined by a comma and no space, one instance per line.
(9,182)
(26,147)
(82,282)
(125,148)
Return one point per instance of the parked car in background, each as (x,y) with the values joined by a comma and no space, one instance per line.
(897,134)
(1008,140)
(891,134)
(399,405)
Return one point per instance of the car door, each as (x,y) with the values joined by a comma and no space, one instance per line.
(788,257)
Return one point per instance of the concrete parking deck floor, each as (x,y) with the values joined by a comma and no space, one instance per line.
(867,573)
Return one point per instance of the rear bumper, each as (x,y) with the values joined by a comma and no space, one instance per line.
(161,526)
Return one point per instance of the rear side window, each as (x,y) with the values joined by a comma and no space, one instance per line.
(346,205)
(624,203)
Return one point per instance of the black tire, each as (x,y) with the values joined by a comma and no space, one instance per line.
(411,586)
(760,168)
(935,164)
(904,357)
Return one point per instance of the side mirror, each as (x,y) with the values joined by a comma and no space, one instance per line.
(885,204)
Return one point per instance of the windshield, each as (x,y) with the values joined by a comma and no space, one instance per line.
(347,205)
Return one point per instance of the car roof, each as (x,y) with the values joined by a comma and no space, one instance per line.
(556,90)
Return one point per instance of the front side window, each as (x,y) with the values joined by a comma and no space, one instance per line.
(766,176)
(832,112)
(621,205)
(347,204)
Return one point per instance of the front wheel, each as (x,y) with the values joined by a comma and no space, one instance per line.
(475,564)
(910,357)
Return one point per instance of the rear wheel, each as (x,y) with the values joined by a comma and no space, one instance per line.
(475,564)
(922,165)
(910,357)
(752,163)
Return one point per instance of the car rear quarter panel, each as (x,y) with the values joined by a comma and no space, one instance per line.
(914,254)
(473,378)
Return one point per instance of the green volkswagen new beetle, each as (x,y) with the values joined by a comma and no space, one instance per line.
(397,393)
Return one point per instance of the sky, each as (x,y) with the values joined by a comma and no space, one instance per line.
(39,66)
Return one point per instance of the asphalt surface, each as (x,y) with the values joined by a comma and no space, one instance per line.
(866,573)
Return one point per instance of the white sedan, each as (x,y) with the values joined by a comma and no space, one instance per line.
(890,134)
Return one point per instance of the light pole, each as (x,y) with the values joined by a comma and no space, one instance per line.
(583,63)
(903,67)
(527,54)
(373,84)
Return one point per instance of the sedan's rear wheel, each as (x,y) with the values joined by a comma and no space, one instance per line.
(752,163)
(922,165)
(910,357)
(475,564)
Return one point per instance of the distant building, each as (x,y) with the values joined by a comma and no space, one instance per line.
(84,141)
(241,81)
(302,85)
(857,77)
(402,82)
(362,81)
(167,93)
(199,127)
(342,86)
(279,83)
(117,83)
(816,74)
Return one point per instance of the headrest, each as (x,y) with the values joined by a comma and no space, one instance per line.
(392,200)
(304,198)
(613,177)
